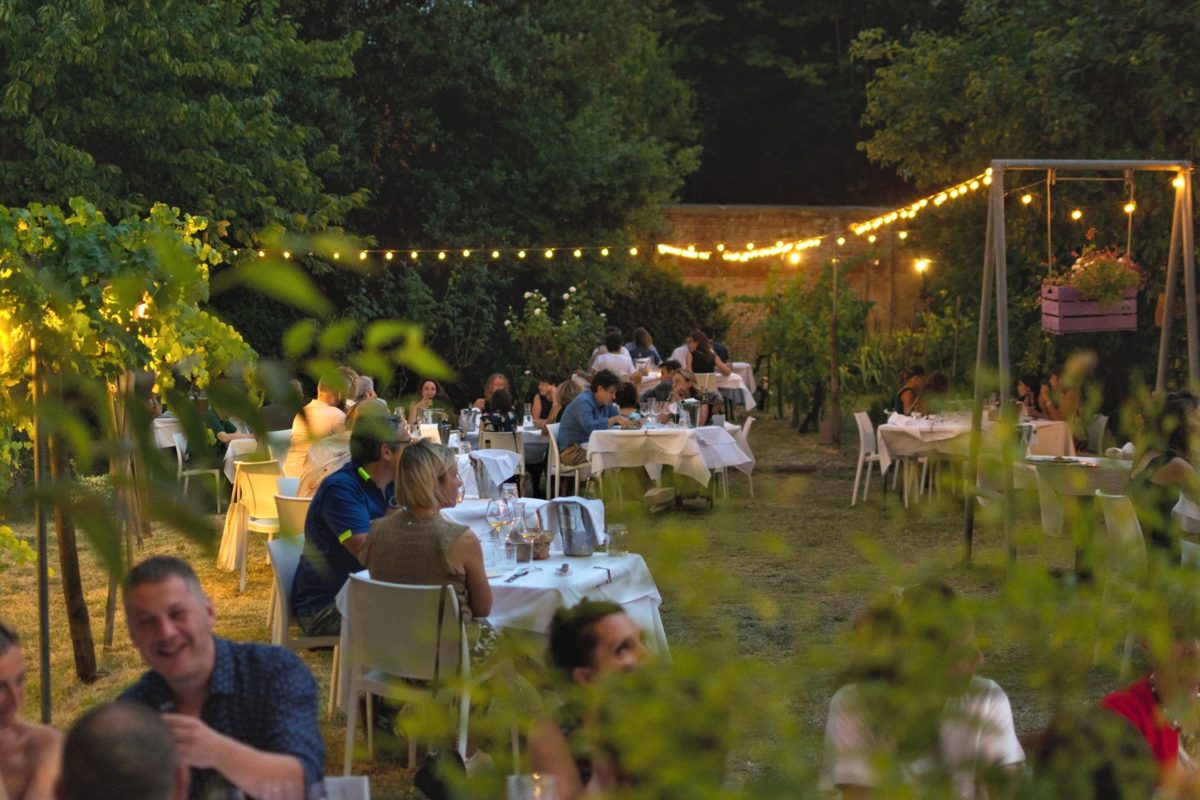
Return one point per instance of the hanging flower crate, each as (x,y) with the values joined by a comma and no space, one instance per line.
(1065,311)
(1098,293)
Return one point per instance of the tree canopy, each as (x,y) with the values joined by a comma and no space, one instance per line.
(203,106)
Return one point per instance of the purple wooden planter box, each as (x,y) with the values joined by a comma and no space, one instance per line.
(1064,312)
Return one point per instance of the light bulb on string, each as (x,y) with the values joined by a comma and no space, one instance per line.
(1077,215)
(1130,207)
(336,255)
(362,255)
(466,253)
(603,251)
(871,238)
(441,255)
(922,264)
(262,253)
(414,255)
(841,240)
(389,255)
(520,254)
(903,234)
(495,254)
(633,251)
(287,254)
(1026,198)
(577,253)
(1177,183)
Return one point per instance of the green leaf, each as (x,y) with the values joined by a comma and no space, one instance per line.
(298,339)
(285,282)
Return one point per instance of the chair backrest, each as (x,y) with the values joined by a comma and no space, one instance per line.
(284,553)
(348,787)
(288,487)
(256,487)
(405,644)
(552,453)
(1095,433)
(292,513)
(866,433)
(278,443)
(497,440)
(1124,548)
(180,452)
(742,437)
(706,380)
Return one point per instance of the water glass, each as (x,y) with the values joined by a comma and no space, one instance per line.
(527,422)
(530,787)
(510,556)
(616,540)
(509,492)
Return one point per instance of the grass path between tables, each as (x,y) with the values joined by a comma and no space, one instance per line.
(774,579)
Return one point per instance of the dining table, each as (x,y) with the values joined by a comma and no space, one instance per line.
(526,596)
(734,386)
(694,452)
(950,434)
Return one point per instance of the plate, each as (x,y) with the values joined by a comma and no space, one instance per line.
(1053,459)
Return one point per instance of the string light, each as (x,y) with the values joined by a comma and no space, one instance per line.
(910,210)
(841,240)
(903,234)
(691,252)
(389,255)
(520,254)
(922,264)
(1077,215)
(1130,207)
(633,251)
(603,251)
(794,258)
(578,253)
(495,254)
(466,253)
(549,254)
(362,256)
(1178,182)
(336,255)
(720,247)
(1027,198)
(780,249)
(262,253)
(871,238)
(287,254)
(441,255)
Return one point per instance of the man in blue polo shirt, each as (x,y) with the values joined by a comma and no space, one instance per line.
(591,411)
(338,520)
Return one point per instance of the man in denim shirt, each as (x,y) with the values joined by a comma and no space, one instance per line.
(242,714)
(590,411)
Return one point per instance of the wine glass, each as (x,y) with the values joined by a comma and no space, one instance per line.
(498,514)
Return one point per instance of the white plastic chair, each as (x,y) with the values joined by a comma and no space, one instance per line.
(1122,554)
(292,513)
(387,652)
(186,474)
(868,454)
(288,487)
(556,469)
(254,488)
(1095,433)
(706,381)
(285,557)
(348,787)
(513,442)
(742,437)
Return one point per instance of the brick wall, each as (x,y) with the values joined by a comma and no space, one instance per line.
(887,278)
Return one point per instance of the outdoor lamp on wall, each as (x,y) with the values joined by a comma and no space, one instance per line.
(922,265)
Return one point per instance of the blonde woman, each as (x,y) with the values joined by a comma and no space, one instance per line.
(418,545)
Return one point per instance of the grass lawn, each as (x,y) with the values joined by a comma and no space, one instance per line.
(758,588)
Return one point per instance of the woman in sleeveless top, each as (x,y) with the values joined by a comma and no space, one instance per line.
(1162,472)
(417,545)
(701,357)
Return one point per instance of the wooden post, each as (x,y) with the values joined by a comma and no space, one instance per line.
(43,548)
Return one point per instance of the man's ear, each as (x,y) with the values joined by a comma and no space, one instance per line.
(583,675)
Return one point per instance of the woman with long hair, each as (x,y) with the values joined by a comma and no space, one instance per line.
(701,356)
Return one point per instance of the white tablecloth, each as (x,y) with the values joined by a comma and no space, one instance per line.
(163,428)
(745,372)
(528,603)
(903,436)
(693,452)
(733,384)
(1059,482)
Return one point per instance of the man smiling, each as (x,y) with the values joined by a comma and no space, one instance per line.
(243,715)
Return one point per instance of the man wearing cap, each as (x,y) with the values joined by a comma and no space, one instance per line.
(341,513)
